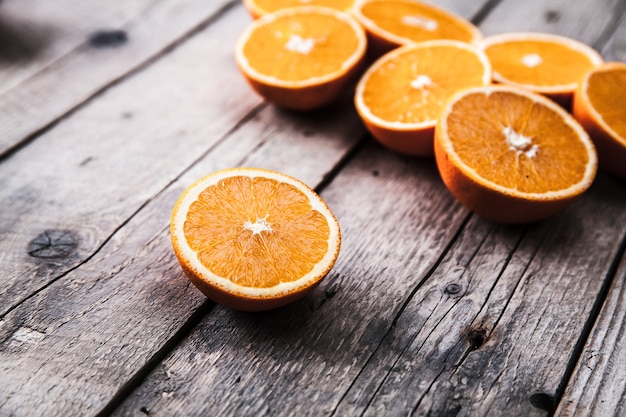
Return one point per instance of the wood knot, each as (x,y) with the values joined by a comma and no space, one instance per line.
(52,244)
(108,38)
(543,401)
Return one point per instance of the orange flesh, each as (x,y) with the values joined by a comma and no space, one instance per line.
(413,20)
(301,47)
(557,64)
(389,94)
(607,94)
(216,230)
(271,6)
(476,128)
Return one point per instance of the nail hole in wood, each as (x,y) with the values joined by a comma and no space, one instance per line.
(52,244)
(543,401)
(453,289)
(476,338)
(552,16)
(108,38)
(144,410)
(375,173)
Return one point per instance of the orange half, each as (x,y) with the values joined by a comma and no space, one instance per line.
(393,23)
(543,63)
(600,106)
(401,95)
(259,8)
(301,58)
(253,239)
(512,156)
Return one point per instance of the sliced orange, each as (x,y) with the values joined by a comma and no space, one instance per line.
(393,23)
(543,63)
(512,156)
(401,95)
(253,239)
(600,106)
(259,8)
(301,58)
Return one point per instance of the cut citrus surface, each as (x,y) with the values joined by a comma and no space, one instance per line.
(253,239)
(301,58)
(544,63)
(401,95)
(259,8)
(600,106)
(512,156)
(392,23)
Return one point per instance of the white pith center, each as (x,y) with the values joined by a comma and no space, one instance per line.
(520,143)
(299,44)
(421,82)
(420,22)
(260,225)
(532,60)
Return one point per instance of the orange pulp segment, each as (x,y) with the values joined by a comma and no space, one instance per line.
(258,8)
(401,95)
(302,57)
(543,63)
(512,156)
(392,23)
(600,106)
(254,239)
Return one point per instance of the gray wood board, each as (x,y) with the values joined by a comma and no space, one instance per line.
(73,346)
(448,337)
(72,188)
(598,383)
(41,99)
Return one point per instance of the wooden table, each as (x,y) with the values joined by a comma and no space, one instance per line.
(108,110)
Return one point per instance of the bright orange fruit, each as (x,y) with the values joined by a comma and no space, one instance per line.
(543,63)
(393,23)
(600,106)
(301,58)
(401,95)
(512,156)
(253,239)
(259,8)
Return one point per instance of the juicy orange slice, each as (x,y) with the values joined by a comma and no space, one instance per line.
(401,95)
(254,239)
(600,106)
(544,63)
(392,23)
(512,156)
(259,8)
(301,58)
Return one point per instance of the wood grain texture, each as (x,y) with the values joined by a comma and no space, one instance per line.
(90,173)
(598,384)
(75,345)
(561,17)
(396,220)
(53,91)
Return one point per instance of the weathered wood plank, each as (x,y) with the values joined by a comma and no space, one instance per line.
(35,33)
(504,345)
(88,175)
(71,348)
(52,92)
(289,362)
(598,383)
(582,20)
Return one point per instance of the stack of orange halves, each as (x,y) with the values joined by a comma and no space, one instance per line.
(510,152)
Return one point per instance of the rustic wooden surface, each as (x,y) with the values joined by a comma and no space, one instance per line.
(108,110)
